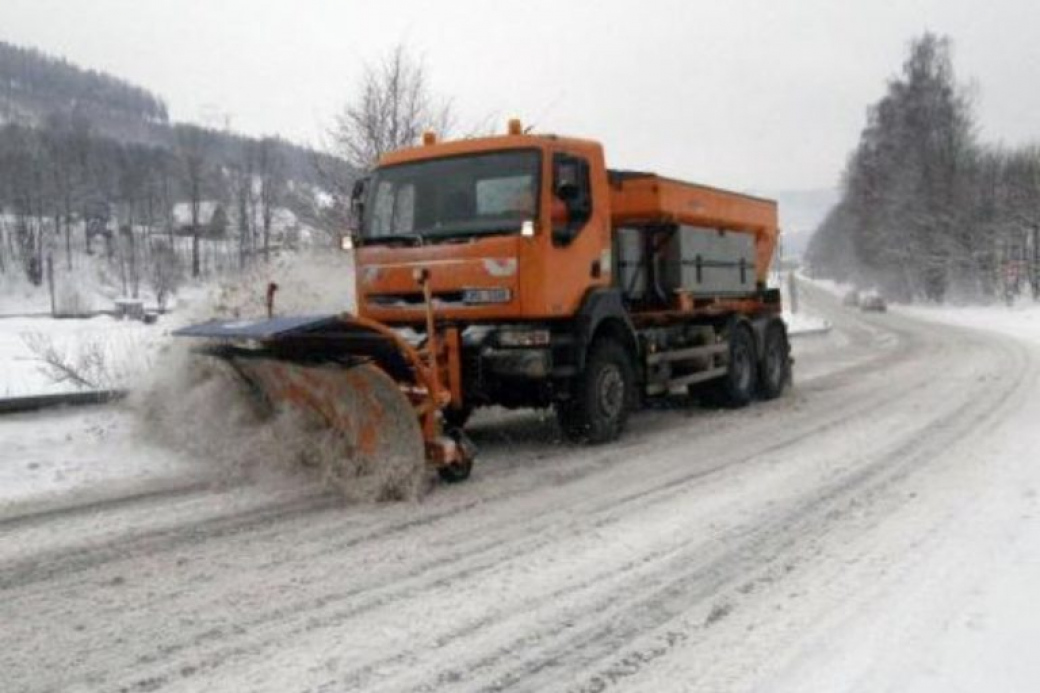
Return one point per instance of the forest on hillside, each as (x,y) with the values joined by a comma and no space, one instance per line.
(92,173)
(34,85)
(928,212)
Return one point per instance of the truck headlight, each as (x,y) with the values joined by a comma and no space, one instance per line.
(485,296)
(523,337)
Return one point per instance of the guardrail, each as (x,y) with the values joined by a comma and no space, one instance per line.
(20,405)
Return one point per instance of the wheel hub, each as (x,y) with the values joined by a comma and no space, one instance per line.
(742,367)
(611,389)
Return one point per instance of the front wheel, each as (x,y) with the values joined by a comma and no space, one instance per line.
(602,397)
(458,471)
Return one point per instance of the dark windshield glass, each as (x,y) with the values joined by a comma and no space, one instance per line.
(486,193)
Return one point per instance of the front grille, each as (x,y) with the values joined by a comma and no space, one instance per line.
(414,299)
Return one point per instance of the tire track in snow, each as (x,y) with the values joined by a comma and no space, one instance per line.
(512,537)
(784,538)
(494,560)
(63,561)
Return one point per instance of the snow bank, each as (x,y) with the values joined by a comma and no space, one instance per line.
(961,621)
(198,406)
(111,352)
(119,354)
(308,283)
(1021,320)
(805,323)
(81,454)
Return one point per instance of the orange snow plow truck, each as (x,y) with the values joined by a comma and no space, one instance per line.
(519,271)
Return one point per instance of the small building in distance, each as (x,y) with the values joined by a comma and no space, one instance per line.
(213,219)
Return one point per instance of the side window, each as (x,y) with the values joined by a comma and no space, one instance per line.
(572,197)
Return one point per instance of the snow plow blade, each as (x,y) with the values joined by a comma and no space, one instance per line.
(377,392)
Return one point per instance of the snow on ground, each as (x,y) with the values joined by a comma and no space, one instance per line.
(805,323)
(80,449)
(829,285)
(125,349)
(878,529)
(1021,320)
(308,283)
(102,450)
(963,619)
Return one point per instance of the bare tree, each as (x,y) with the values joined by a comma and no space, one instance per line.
(84,366)
(271,174)
(165,275)
(242,188)
(393,109)
(191,147)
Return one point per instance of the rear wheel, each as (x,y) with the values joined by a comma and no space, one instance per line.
(602,397)
(736,388)
(775,371)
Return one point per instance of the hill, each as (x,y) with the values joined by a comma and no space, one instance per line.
(39,91)
(97,185)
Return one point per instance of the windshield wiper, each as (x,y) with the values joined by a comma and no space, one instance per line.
(413,238)
(489,230)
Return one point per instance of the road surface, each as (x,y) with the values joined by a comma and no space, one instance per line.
(712,551)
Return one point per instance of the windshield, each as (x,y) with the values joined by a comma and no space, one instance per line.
(466,195)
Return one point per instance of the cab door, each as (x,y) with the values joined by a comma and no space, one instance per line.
(575,238)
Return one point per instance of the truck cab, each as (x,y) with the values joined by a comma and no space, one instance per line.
(509,228)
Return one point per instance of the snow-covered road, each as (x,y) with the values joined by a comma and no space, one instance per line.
(860,534)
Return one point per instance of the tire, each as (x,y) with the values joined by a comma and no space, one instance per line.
(775,371)
(737,388)
(602,396)
(457,472)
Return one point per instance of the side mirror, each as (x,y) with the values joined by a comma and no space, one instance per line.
(571,192)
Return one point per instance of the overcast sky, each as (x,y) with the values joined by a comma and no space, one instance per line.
(758,95)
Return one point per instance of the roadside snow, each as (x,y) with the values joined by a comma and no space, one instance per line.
(124,347)
(805,323)
(1021,321)
(69,454)
(830,286)
(77,450)
(962,618)
(307,283)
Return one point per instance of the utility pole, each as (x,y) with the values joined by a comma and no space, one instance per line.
(792,292)
(50,283)
(1034,273)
